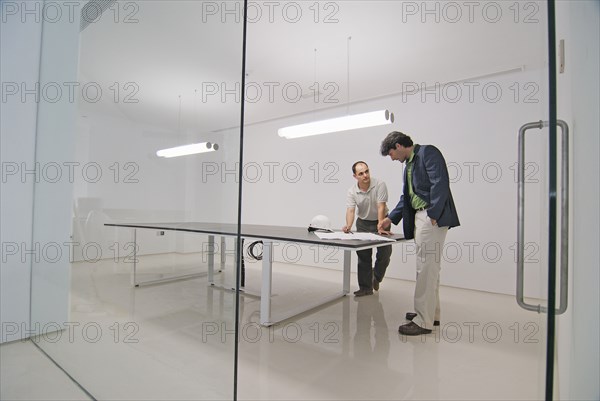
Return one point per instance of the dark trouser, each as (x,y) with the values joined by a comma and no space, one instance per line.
(366,272)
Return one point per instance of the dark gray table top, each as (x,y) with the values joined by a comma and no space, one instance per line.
(281,233)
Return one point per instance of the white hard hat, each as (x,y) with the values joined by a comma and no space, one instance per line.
(320,222)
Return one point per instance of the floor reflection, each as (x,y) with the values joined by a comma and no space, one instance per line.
(176,341)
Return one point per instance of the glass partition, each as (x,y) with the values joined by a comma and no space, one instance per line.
(463,76)
(130,313)
(136,299)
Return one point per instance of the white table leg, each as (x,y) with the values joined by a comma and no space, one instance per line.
(265,290)
(211,259)
(346,282)
(133,273)
(223,254)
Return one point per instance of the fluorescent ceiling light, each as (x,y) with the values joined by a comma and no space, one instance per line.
(355,121)
(188,149)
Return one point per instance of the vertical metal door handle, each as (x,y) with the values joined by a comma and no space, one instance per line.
(564,235)
(564,219)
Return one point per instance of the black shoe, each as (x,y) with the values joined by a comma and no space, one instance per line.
(411,315)
(362,292)
(412,329)
(375,284)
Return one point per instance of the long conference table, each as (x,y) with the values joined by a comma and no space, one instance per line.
(269,235)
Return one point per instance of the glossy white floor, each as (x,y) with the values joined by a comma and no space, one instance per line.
(174,341)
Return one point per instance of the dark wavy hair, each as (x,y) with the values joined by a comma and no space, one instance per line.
(393,138)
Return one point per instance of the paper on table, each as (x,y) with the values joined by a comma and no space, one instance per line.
(358,236)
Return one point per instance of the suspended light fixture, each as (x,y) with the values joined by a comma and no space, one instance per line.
(190,149)
(344,123)
(184,150)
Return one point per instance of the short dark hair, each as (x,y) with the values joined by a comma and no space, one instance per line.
(357,163)
(393,138)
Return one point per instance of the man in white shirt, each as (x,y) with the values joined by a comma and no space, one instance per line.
(369,196)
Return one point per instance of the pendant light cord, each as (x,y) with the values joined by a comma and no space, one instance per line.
(348,76)
(179,117)
(316,94)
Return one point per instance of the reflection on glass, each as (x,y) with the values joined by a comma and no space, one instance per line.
(142,71)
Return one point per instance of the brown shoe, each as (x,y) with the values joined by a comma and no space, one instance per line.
(375,284)
(411,315)
(412,329)
(362,292)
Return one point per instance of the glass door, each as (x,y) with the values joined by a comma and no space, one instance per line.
(129,313)
(464,77)
(123,80)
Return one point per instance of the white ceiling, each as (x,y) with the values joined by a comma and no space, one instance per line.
(176,47)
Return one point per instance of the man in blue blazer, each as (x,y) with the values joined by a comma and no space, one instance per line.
(427,210)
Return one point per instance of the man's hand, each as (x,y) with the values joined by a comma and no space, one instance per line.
(384,226)
(346,229)
(433,222)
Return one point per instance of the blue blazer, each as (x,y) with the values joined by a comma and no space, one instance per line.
(432,184)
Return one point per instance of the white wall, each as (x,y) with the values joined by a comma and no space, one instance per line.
(19,63)
(137,186)
(578,329)
(477,133)
(121,183)
(474,134)
(475,124)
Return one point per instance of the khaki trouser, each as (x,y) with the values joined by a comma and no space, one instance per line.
(429,240)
